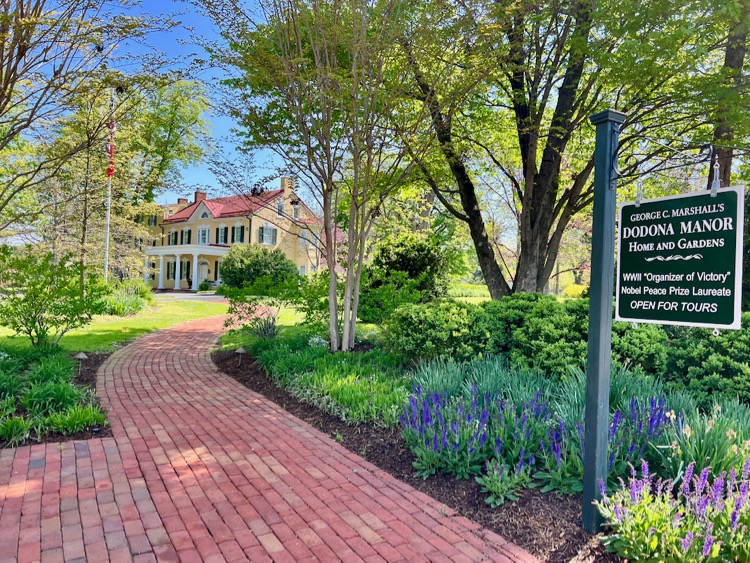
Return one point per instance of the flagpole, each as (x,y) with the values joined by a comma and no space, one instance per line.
(110,173)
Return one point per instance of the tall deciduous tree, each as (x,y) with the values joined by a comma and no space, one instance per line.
(534,72)
(309,84)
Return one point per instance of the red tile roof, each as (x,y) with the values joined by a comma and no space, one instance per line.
(232,206)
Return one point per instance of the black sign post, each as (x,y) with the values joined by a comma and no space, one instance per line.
(680,260)
(600,313)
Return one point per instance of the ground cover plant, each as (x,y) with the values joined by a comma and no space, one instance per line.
(38,396)
(369,386)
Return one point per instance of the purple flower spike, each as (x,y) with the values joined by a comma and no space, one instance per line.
(687,479)
(746,469)
(707,545)
(702,481)
(644,471)
(687,542)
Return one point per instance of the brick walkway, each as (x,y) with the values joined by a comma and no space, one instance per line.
(202,469)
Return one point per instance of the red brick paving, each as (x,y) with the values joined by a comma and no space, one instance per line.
(202,469)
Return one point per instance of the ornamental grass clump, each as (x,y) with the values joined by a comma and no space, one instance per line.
(702,519)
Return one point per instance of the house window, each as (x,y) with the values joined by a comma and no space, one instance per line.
(238,233)
(185,236)
(302,270)
(185,270)
(203,235)
(313,269)
(152,220)
(296,211)
(221,235)
(172,238)
(152,265)
(170,270)
(267,234)
(204,215)
(303,239)
(280,208)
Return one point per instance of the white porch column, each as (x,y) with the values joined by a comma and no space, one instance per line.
(195,272)
(218,271)
(146,273)
(161,273)
(177,271)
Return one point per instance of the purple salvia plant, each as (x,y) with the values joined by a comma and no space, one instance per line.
(702,481)
(707,545)
(687,479)
(687,541)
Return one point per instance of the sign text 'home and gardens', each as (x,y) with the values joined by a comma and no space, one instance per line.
(680,260)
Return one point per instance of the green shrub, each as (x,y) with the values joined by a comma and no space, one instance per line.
(711,367)
(52,369)
(443,328)
(246,264)
(77,418)
(644,346)
(14,430)
(47,398)
(418,257)
(506,315)
(205,285)
(382,294)
(41,296)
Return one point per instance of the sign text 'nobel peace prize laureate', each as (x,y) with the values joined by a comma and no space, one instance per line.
(680,260)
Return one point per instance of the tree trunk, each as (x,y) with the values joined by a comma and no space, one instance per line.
(734,60)
(330,250)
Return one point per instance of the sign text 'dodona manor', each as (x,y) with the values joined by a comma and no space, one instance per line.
(680,260)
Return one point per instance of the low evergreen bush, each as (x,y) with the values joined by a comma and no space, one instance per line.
(442,328)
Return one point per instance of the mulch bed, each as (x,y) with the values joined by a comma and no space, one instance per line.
(545,524)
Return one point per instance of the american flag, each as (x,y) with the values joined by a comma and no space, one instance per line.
(111,144)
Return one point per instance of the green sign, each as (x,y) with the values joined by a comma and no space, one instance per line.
(680,260)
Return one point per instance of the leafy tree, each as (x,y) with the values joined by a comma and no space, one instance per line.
(68,210)
(41,296)
(49,51)
(309,83)
(509,87)
(246,264)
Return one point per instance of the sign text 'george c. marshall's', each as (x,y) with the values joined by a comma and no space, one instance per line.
(680,260)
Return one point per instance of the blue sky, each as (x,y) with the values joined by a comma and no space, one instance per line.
(178,44)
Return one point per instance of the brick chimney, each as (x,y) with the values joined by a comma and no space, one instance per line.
(200,195)
(287,183)
(181,201)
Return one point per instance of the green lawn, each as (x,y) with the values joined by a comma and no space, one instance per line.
(105,331)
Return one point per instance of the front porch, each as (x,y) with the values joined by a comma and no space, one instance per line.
(183,266)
